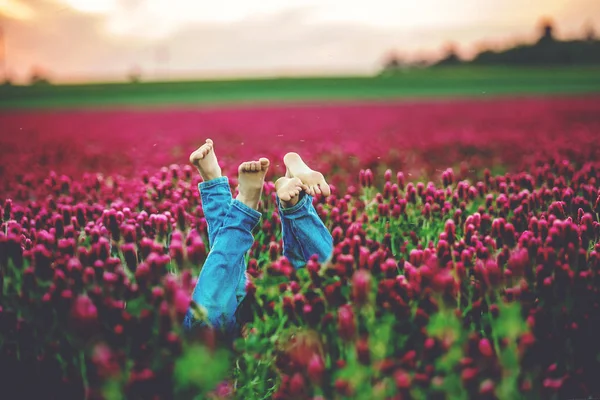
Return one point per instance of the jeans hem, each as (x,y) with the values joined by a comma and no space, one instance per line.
(220,181)
(252,213)
(297,207)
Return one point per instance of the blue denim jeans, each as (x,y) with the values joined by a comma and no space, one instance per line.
(221,286)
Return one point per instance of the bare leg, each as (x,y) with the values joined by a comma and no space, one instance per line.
(214,190)
(251,179)
(206,161)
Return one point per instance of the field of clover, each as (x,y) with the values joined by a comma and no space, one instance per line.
(466,262)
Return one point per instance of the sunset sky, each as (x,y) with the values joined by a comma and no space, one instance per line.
(104,39)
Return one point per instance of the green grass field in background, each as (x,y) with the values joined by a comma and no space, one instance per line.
(433,82)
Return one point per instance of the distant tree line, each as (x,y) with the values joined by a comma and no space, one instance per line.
(547,50)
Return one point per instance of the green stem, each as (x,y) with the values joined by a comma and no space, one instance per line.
(83,370)
(491,321)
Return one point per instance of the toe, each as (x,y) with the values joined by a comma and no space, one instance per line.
(325,189)
(263,162)
(317,189)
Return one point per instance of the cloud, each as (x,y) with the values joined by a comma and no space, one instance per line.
(73,44)
(62,41)
(86,41)
(15,9)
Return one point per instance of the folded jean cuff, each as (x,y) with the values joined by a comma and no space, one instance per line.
(304,199)
(220,181)
(252,213)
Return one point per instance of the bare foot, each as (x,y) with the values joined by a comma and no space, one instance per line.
(314,180)
(288,190)
(250,180)
(206,161)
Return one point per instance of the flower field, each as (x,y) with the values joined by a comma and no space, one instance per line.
(466,261)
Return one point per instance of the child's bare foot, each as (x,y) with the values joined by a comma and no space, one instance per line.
(250,180)
(288,190)
(206,161)
(314,180)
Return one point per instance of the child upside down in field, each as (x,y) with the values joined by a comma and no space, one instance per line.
(221,286)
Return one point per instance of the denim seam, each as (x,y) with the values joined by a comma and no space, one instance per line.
(215,234)
(293,230)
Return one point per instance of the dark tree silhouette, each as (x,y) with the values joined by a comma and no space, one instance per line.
(590,33)
(546,51)
(547,28)
(451,57)
(38,77)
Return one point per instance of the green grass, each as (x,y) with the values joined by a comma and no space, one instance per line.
(434,82)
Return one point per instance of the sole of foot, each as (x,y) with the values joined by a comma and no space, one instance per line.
(314,180)
(206,161)
(288,190)
(251,178)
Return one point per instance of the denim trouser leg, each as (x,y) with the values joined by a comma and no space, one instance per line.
(216,200)
(217,285)
(304,234)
